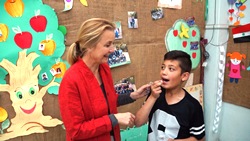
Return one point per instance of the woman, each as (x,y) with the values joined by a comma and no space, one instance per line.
(87,98)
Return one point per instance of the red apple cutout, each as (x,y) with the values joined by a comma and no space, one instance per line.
(38,22)
(175,32)
(184,44)
(22,39)
(194,55)
(193,33)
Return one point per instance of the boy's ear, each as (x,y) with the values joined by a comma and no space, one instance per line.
(185,76)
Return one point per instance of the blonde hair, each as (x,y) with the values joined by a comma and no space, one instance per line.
(89,35)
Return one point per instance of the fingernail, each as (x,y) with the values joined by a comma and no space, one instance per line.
(150,83)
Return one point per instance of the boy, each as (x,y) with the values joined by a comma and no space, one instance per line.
(173,114)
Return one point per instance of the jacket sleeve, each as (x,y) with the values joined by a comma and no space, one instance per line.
(74,114)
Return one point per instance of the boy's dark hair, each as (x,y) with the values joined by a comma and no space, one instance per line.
(182,57)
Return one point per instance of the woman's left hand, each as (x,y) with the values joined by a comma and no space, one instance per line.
(141,92)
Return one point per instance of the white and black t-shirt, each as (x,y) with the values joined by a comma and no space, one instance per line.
(178,121)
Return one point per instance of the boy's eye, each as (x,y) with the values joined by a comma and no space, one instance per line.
(163,67)
(171,69)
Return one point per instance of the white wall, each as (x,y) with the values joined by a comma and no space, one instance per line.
(234,121)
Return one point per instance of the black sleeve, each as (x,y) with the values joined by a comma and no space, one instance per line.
(124,99)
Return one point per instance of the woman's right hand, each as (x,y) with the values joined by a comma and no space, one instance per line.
(126,119)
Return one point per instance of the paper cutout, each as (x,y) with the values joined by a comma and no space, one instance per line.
(197,92)
(63,29)
(14,8)
(68,4)
(120,56)
(4,32)
(25,72)
(23,39)
(190,80)
(235,65)
(184,31)
(125,85)
(58,69)
(48,46)
(189,45)
(190,21)
(132,19)
(38,22)
(26,97)
(84,2)
(236,11)
(220,88)
(118,30)
(4,125)
(157,13)
(176,4)
(3,114)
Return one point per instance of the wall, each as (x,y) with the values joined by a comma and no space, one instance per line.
(234,120)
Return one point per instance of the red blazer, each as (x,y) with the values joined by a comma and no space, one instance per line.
(83,107)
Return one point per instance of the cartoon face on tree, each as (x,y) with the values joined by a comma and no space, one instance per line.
(23,61)
(26,97)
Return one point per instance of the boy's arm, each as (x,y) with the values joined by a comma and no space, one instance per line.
(141,116)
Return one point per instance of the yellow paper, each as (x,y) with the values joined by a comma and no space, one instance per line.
(84,2)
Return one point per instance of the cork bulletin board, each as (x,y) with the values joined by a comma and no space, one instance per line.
(237,93)
(146,46)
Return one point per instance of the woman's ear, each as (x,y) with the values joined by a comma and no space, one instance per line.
(185,76)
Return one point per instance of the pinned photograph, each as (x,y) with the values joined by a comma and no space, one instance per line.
(41,46)
(120,56)
(157,13)
(44,76)
(132,19)
(125,85)
(118,30)
(175,4)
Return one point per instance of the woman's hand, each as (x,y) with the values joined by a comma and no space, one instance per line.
(141,92)
(126,119)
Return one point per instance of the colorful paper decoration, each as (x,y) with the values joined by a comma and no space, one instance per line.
(26,97)
(186,38)
(241,34)
(27,67)
(4,32)
(236,11)
(235,65)
(14,8)
(184,31)
(3,114)
(68,4)
(23,39)
(220,89)
(38,22)
(84,2)
(63,29)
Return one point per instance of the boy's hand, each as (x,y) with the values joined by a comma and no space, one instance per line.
(156,88)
